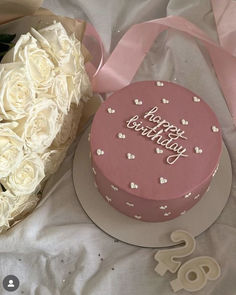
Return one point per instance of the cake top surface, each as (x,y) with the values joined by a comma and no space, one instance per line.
(157,139)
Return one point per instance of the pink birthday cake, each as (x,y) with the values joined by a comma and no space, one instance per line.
(155,147)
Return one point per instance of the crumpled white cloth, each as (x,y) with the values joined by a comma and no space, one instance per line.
(57,249)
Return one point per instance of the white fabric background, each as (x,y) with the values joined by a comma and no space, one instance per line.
(57,249)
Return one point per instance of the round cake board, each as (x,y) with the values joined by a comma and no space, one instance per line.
(148,234)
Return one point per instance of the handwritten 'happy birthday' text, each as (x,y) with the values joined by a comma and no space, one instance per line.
(157,133)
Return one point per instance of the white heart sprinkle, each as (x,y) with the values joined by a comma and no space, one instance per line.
(129,204)
(196,197)
(162,180)
(94,171)
(159,83)
(167,214)
(198,150)
(133,185)
(114,187)
(108,199)
(187,195)
(163,207)
(89,137)
(121,135)
(184,122)
(208,189)
(130,156)
(165,100)
(111,111)
(196,99)
(183,212)
(159,151)
(214,129)
(137,216)
(100,152)
(138,102)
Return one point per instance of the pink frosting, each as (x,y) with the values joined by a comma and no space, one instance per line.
(146,186)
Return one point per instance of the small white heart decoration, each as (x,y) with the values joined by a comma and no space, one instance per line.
(129,204)
(163,180)
(137,216)
(208,189)
(138,102)
(108,199)
(159,83)
(114,187)
(165,100)
(196,99)
(130,156)
(183,212)
(133,185)
(111,111)
(184,122)
(196,197)
(121,135)
(100,152)
(198,150)
(187,195)
(89,137)
(214,129)
(163,207)
(159,151)
(167,214)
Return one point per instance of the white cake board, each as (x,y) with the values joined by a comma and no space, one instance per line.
(148,234)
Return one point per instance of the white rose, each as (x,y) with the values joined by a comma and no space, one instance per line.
(55,40)
(62,92)
(38,63)
(69,127)
(41,127)
(82,89)
(7,203)
(52,159)
(66,50)
(80,79)
(25,179)
(11,150)
(16,91)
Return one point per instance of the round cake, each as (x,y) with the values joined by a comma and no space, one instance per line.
(155,147)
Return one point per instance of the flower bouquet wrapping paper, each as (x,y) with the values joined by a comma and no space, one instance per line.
(44,88)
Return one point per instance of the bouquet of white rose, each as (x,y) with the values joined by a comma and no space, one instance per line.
(43,84)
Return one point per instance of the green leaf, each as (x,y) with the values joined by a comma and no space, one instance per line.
(7,38)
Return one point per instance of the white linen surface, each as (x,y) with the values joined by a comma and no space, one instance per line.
(57,249)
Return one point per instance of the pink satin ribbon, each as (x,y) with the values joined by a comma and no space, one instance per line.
(124,61)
